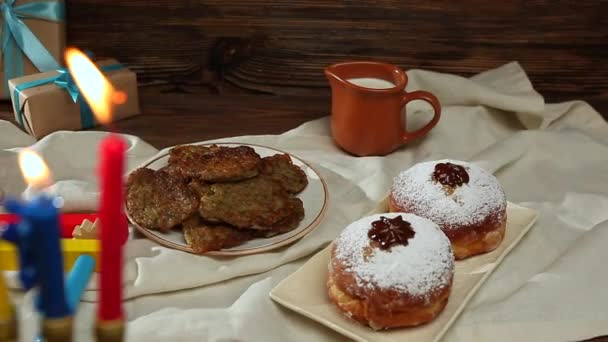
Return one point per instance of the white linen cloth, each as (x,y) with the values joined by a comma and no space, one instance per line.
(551,157)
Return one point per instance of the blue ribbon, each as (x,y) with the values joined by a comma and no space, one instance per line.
(18,39)
(65,81)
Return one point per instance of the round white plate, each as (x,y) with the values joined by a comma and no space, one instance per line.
(314,197)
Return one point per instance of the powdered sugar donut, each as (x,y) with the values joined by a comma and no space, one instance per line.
(391,270)
(466,201)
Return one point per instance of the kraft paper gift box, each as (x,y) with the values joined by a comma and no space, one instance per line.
(41,106)
(40,28)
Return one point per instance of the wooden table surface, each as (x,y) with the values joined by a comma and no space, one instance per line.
(273,53)
(170,118)
(174,118)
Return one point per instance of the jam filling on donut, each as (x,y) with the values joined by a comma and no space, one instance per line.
(390,232)
(450,174)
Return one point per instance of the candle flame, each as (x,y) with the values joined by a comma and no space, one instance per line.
(34,169)
(93,85)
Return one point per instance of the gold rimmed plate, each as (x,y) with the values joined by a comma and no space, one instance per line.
(314,197)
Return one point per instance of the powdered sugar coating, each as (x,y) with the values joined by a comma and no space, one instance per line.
(468,204)
(425,264)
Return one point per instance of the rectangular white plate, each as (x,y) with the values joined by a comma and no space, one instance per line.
(305,292)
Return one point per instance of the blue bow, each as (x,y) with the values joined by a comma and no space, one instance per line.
(18,39)
(65,81)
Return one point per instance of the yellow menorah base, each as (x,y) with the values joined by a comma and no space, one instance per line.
(72,249)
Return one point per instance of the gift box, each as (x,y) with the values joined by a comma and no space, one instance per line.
(33,38)
(47,102)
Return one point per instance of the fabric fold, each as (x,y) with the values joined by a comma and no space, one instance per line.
(550,157)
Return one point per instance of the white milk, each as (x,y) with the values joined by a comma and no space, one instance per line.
(373,83)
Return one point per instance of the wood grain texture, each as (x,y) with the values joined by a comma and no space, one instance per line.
(203,76)
(562,45)
(597,339)
(172,118)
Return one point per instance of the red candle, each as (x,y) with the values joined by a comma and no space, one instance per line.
(113,227)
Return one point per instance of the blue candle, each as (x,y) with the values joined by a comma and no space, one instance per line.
(78,278)
(37,236)
(76,281)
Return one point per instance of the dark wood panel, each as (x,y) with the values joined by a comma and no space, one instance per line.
(597,339)
(562,45)
(181,49)
(176,117)
(172,118)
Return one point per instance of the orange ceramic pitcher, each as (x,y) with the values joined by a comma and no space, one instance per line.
(366,106)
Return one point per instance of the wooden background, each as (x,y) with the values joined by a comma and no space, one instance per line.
(213,68)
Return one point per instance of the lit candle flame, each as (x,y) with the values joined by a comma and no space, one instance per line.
(34,169)
(93,85)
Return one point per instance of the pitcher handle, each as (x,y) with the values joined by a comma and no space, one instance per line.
(433,101)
